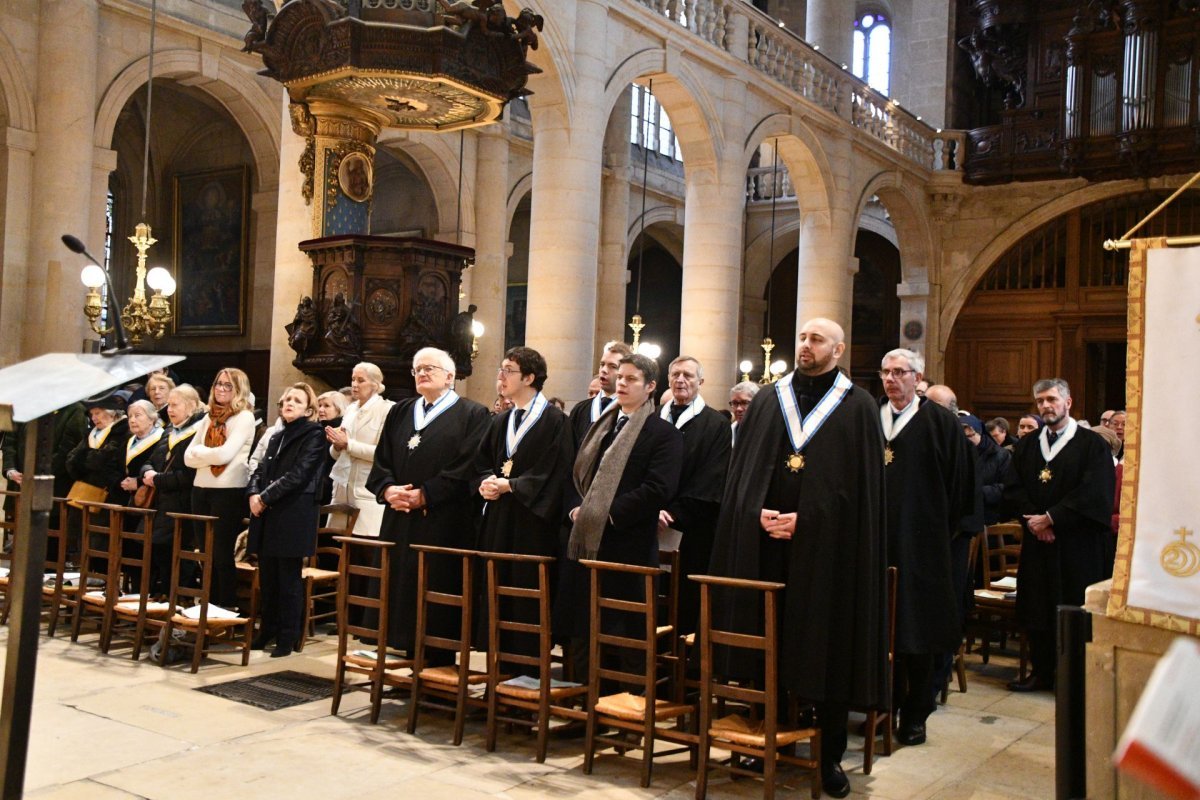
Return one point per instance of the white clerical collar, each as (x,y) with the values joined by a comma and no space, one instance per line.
(1049,451)
(902,410)
(894,422)
(690,410)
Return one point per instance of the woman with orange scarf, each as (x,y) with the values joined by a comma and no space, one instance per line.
(218,452)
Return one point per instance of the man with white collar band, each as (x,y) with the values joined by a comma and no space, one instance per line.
(521,469)
(694,509)
(930,487)
(1060,484)
(586,412)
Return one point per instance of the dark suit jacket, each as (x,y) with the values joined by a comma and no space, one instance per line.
(287,479)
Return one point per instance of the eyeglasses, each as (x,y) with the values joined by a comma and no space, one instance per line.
(427,369)
(894,373)
(739,403)
(223,385)
(503,371)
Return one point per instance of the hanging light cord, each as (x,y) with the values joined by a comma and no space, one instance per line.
(149,106)
(637,306)
(771,244)
(458,213)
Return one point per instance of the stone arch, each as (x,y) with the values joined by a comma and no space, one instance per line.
(436,160)
(230,84)
(664,230)
(554,83)
(912,227)
(16,101)
(658,215)
(956,291)
(516,194)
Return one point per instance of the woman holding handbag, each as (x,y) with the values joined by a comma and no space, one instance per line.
(283,526)
(97,464)
(145,433)
(171,481)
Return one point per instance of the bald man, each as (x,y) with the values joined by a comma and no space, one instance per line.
(803,506)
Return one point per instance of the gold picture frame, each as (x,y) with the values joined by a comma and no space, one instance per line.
(211,251)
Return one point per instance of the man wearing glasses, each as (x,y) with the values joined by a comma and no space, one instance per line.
(422,473)
(930,487)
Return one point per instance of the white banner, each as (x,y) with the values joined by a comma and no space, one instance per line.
(1164,574)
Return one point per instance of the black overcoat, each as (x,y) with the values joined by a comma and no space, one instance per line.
(833,634)
(172,479)
(287,480)
(103,466)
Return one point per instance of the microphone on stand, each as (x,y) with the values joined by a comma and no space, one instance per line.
(76,246)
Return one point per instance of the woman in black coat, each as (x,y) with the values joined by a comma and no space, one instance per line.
(283,523)
(172,481)
(99,459)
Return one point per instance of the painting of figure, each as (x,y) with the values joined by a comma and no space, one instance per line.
(210,250)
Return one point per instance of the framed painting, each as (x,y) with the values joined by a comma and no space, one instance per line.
(211,251)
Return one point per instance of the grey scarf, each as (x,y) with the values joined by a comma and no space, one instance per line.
(598,485)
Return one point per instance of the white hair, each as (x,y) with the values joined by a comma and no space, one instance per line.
(914,359)
(147,408)
(745,387)
(374,374)
(442,358)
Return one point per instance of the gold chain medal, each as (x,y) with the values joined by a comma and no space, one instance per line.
(1045,476)
(794,462)
(507,469)
(889,455)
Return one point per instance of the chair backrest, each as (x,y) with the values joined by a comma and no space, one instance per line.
(761,645)
(201,556)
(136,556)
(368,559)
(8,525)
(462,601)
(668,589)
(1001,553)
(101,542)
(626,576)
(334,513)
(56,543)
(498,622)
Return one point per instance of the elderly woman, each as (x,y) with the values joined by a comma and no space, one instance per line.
(171,479)
(330,408)
(353,445)
(158,389)
(219,452)
(283,529)
(99,459)
(145,433)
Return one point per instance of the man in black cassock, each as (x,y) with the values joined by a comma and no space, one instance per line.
(930,488)
(586,412)
(422,473)
(520,471)
(625,472)
(1060,485)
(803,505)
(694,509)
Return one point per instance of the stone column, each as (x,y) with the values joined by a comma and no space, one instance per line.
(824,279)
(489,276)
(68,40)
(16,183)
(614,230)
(264,207)
(293,273)
(712,274)
(829,24)
(564,233)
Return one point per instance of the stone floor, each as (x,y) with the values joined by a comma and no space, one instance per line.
(107,727)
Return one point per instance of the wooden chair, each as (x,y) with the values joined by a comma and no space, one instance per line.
(55,595)
(368,559)
(8,530)
(452,682)
(320,583)
(626,711)
(995,611)
(760,734)
(960,656)
(883,717)
(203,633)
(100,557)
(135,617)
(503,696)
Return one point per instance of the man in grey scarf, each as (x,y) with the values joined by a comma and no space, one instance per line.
(626,470)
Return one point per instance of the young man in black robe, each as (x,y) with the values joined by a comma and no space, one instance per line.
(586,412)
(422,473)
(521,469)
(930,488)
(625,472)
(803,505)
(1060,486)
(693,512)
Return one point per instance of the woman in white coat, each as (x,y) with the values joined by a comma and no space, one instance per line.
(353,445)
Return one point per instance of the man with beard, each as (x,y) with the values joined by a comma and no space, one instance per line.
(693,511)
(1060,486)
(803,505)
(586,412)
(422,473)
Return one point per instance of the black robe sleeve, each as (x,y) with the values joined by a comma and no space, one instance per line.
(382,473)
(706,448)
(540,488)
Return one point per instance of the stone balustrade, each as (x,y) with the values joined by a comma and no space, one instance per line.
(761,189)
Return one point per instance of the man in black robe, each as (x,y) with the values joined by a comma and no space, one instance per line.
(422,473)
(520,471)
(930,488)
(803,505)
(1060,486)
(693,512)
(586,412)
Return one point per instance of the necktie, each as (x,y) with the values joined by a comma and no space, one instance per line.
(676,410)
(896,415)
(604,402)
(607,441)
(428,406)
(520,413)
(620,424)
(1051,437)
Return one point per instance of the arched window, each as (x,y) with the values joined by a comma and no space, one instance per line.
(873,50)
(649,125)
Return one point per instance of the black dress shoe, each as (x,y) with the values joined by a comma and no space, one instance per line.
(1034,683)
(910,735)
(262,640)
(834,781)
(281,650)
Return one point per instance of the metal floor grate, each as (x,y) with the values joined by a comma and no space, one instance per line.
(274,691)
